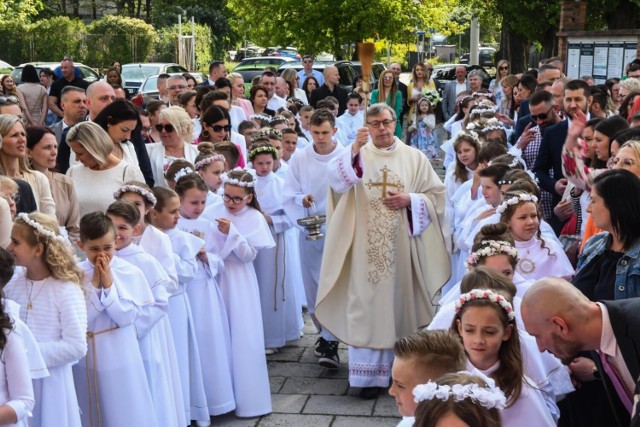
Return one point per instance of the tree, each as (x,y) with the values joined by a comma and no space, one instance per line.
(19,11)
(54,38)
(118,38)
(327,25)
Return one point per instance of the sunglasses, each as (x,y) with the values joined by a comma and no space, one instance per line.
(218,128)
(388,78)
(168,128)
(503,68)
(543,116)
(8,100)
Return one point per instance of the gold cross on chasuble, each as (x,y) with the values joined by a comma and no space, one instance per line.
(385,183)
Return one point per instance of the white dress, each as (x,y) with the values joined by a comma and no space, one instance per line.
(185,247)
(158,245)
(276,270)
(112,377)
(16,389)
(210,320)
(156,340)
(37,366)
(248,234)
(530,408)
(55,312)
(537,262)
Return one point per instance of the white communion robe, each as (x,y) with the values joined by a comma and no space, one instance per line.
(248,234)
(275,269)
(544,370)
(530,408)
(380,279)
(158,245)
(156,345)
(55,312)
(37,366)
(210,321)
(16,388)
(307,174)
(185,247)
(112,377)
(537,262)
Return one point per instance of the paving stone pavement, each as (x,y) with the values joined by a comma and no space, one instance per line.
(306,394)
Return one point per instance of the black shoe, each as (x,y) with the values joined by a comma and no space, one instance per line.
(321,347)
(330,358)
(368,393)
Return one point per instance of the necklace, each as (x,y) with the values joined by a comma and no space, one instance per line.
(30,299)
(526,265)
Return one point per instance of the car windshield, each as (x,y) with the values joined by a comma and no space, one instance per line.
(150,85)
(139,72)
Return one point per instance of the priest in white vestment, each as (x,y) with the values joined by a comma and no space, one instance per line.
(389,254)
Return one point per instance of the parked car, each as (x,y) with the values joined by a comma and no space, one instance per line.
(5,68)
(447,72)
(486,57)
(289,52)
(250,52)
(376,69)
(345,68)
(87,73)
(251,67)
(135,74)
(149,87)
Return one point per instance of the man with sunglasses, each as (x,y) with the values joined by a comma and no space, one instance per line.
(307,70)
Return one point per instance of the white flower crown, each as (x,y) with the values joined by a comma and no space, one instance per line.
(489,397)
(515,200)
(491,248)
(493,127)
(470,133)
(40,228)
(148,195)
(233,181)
(263,150)
(478,294)
(182,173)
(261,117)
(204,162)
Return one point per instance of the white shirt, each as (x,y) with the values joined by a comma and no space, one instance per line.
(275,103)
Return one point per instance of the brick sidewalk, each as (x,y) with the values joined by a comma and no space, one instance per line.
(304,393)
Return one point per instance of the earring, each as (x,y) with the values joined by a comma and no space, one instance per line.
(205,133)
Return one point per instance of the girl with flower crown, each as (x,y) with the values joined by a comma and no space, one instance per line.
(210,165)
(209,313)
(52,304)
(275,266)
(538,257)
(485,322)
(458,399)
(421,130)
(241,232)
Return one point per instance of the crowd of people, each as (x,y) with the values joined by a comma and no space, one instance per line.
(154,252)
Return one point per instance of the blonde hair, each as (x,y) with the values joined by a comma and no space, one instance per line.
(57,256)
(435,352)
(180,120)
(232,76)
(92,138)
(7,184)
(632,85)
(7,122)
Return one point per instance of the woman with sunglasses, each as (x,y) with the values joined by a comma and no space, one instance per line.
(216,128)
(176,132)
(502,71)
(419,85)
(388,93)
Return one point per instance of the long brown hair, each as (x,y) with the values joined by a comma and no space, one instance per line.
(460,172)
(510,374)
(382,91)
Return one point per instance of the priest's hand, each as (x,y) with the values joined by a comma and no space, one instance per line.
(308,200)
(362,137)
(396,200)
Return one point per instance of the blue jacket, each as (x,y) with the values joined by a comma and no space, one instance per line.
(627,271)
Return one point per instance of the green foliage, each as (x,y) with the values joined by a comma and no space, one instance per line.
(14,48)
(118,38)
(326,25)
(19,11)
(166,50)
(56,37)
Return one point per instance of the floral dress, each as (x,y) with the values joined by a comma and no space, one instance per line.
(423,137)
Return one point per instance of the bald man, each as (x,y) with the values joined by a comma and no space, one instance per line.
(331,88)
(565,322)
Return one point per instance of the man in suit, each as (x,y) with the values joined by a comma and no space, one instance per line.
(565,322)
(577,96)
(73,102)
(451,91)
(217,69)
(397,70)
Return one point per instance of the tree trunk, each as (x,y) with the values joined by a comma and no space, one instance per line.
(63,7)
(514,46)
(76,8)
(550,43)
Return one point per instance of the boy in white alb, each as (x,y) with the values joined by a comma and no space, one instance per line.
(305,193)
(352,119)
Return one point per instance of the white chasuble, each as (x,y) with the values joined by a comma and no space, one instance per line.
(385,267)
